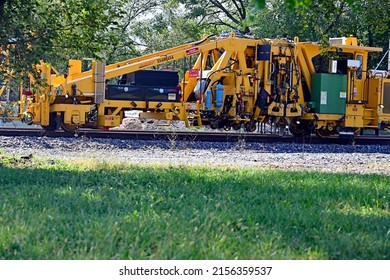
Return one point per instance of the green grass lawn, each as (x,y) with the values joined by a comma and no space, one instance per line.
(82,210)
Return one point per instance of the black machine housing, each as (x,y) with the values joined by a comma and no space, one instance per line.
(146,85)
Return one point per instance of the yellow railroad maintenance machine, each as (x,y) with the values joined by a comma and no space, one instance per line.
(235,82)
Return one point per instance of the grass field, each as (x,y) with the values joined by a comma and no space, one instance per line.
(83,210)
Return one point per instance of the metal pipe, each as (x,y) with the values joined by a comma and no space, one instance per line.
(8,93)
(388,60)
(376,68)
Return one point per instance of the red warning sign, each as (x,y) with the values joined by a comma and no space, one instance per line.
(192,51)
(193,73)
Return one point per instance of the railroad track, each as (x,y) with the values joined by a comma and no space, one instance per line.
(196,136)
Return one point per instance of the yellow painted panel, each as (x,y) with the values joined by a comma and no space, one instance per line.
(354,121)
(329,117)
(110,121)
(355,110)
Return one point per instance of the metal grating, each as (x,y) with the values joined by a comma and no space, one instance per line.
(100,86)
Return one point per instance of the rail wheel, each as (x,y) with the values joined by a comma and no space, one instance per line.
(219,123)
(250,126)
(52,122)
(68,127)
(227,127)
(236,126)
(298,128)
(323,132)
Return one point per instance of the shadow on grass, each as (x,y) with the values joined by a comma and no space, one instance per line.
(130,212)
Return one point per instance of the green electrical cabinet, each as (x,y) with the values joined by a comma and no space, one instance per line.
(329,93)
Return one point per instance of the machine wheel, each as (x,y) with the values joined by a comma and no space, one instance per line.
(52,122)
(227,127)
(323,132)
(68,127)
(250,126)
(237,126)
(27,118)
(298,128)
(219,123)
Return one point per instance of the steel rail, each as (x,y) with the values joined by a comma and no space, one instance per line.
(196,136)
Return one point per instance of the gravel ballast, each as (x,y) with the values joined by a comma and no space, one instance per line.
(281,156)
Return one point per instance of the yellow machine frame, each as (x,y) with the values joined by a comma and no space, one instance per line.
(244,67)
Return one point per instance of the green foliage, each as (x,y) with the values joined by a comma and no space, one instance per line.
(291,4)
(166,30)
(231,14)
(55,30)
(74,210)
(319,20)
(135,14)
(58,30)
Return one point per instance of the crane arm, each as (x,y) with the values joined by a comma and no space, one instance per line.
(84,81)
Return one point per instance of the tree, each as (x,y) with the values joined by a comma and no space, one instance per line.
(319,20)
(136,15)
(54,30)
(170,26)
(292,4)
(231,14)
